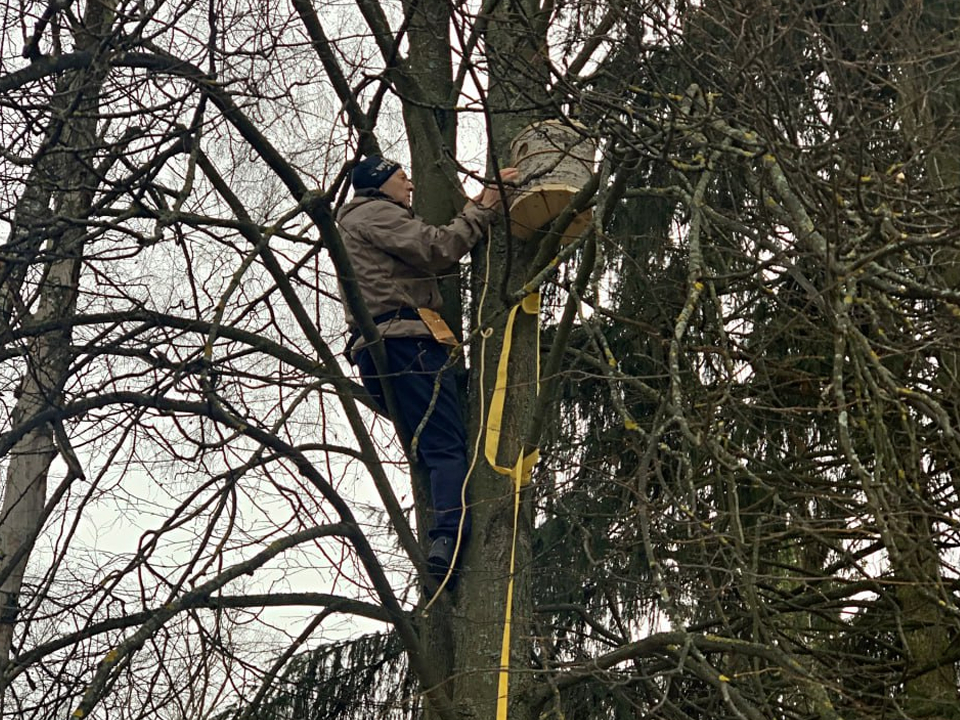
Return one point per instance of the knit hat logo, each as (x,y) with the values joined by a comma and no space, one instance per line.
(373,171)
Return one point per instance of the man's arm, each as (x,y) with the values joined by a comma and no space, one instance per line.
(431,248)
(424,246)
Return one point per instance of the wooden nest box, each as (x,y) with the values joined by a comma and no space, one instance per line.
(555,161)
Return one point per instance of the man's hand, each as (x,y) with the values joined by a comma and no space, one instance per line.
(490,197)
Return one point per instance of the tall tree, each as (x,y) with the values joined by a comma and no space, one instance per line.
(64,178)
(745,503)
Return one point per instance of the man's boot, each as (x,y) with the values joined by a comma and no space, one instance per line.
(440,557)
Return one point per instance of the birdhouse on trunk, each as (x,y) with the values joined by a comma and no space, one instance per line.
(555,160)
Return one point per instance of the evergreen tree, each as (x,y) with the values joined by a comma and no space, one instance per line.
(746,502)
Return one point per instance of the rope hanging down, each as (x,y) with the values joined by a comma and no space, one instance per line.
(530,305)
(503,681)
(520,474)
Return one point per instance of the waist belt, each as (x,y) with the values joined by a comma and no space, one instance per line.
(404,313)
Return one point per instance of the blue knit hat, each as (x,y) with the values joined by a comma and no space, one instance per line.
(373,171)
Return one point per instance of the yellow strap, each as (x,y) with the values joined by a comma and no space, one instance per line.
(503,682)
(530,305)
(520,473)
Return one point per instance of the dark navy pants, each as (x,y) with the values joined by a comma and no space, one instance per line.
(414,365)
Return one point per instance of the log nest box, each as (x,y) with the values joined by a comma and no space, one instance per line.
(555,160)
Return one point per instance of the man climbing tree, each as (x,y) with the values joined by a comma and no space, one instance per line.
(396,257)
(747,501)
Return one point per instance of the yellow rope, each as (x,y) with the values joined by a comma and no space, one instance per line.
(485,333)
(520,473)
(503,682)
(531,306)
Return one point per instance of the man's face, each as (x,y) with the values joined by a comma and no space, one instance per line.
(398,187)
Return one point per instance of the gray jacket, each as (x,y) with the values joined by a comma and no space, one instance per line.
(397,257)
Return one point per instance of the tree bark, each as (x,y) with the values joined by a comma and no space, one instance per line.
(64,174)
(929,101)
(432,135)
(515,40)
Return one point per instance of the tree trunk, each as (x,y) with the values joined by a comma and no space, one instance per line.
(466,641)
(432,132)
(64,174)
(929,102)
(516,38)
